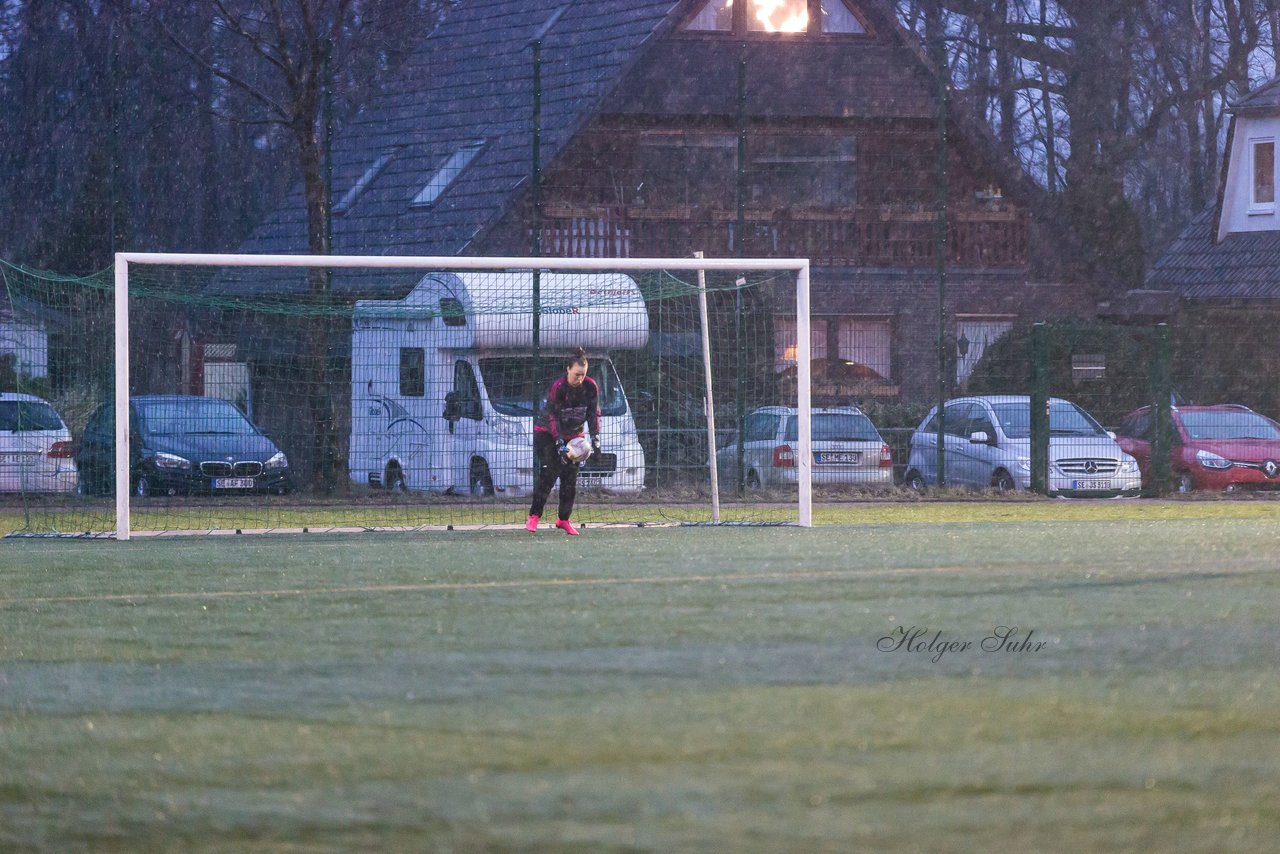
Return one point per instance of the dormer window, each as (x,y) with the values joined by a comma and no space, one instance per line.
(1262,198)
(447,174)
(777,16)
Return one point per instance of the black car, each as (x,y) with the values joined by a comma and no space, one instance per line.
(182,444)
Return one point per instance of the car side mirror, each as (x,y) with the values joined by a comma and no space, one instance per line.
(452,406)
(979,438)
(1112,434)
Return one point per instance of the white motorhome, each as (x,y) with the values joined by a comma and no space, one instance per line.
(444,383)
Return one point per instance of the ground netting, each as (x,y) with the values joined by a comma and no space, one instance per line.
(274,398)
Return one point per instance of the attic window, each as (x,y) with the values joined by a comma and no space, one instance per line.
(777,16)
(345,203)
(1263,195)
(716,16)
(838,18)
(447,174)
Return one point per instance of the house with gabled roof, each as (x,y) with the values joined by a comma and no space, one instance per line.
(645,107)
(1229,255)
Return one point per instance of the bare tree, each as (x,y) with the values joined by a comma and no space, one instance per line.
(1088,94)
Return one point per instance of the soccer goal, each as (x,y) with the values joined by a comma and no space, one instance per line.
(259,393)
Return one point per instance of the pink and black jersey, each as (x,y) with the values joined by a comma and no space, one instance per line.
(567,409)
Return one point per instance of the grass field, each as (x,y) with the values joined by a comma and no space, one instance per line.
(717,689)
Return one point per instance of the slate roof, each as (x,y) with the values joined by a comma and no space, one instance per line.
(1244,265)
(471,79)
(1264,99)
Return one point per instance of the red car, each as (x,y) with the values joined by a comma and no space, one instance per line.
(1227,447)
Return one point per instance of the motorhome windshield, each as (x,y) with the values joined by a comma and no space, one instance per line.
(513,392)
(1065,419)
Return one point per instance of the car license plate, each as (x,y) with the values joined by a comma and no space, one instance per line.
(838,457)
(1090,484)
(233,483)
(15,459)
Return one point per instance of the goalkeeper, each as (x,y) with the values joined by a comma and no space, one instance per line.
(572,403)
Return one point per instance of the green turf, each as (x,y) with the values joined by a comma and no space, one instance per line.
(658,689)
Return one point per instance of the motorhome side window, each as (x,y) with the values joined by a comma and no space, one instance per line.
(413,371)
(468,391)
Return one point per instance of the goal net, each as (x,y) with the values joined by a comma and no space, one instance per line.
(292,393)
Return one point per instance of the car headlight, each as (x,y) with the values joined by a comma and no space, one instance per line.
(1128,465)
(1210,460)
(1024,463)
(170,461)
(278,461)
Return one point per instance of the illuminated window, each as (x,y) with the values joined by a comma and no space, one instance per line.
(776,16)
(447,174)
(1264,172)
(784,329)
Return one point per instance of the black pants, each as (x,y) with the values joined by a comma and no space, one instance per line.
(553,468)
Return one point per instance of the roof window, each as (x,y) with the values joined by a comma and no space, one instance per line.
(447,174)
(349,198)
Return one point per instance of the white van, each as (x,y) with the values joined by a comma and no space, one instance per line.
(444,384)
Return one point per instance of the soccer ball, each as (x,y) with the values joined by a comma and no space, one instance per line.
(578,448)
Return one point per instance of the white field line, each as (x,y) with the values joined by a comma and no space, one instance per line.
(1113,572)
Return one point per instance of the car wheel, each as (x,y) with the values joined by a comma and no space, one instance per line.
(753,480)
(914,481)
(1185,484)
(1003,482)
(481,481)
(395,480)
(142,486)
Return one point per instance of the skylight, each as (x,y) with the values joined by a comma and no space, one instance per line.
(447,174)
(349,198)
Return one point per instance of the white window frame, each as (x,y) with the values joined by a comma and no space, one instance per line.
(1256,207)
(444,177)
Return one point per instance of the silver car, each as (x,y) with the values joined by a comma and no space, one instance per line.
(36,454)
(847,448)
(988,445)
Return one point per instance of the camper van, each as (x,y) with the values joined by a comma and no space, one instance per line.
(445,383)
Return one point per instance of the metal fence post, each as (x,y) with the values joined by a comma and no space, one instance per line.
(1161,419)
(1040,408)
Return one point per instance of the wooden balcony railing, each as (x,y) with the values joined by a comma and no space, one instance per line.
(855,237)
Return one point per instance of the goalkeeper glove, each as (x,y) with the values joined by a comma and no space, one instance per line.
(562,448)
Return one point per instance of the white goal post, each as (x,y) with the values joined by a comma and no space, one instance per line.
(124,260)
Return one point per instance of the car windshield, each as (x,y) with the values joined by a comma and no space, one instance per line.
(20,416)
(515,383)
(836,427)
(1065,419)
(1229,425)
(197,416)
